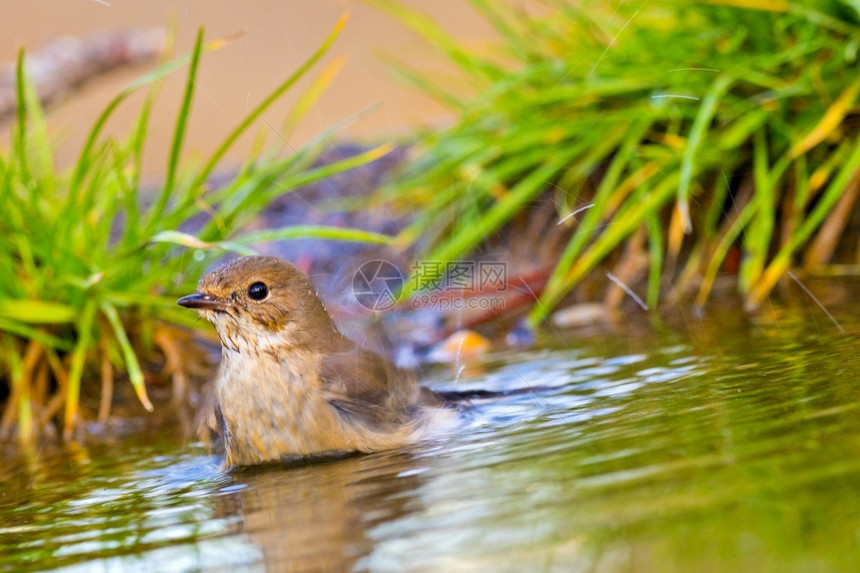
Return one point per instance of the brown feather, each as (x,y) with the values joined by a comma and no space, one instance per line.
(367,388)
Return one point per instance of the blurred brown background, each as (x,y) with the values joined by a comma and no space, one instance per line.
(279,36)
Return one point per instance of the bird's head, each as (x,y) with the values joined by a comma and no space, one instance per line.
(261,303)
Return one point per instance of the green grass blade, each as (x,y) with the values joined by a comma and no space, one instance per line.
(314,232)
(84,328)
(31,333)
(179,130)
(36,311)
(82,165)
(21,127)
(655,258)
(697,135)
(266,103)
(181,239)
(135,375)
(780,263)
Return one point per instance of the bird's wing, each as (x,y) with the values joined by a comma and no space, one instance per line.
(361,385)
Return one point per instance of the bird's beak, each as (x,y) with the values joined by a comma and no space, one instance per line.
(200,301)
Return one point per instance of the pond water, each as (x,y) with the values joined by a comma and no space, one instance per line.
(713,447)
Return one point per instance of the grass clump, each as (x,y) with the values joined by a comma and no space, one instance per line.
(689,129)
(90,267)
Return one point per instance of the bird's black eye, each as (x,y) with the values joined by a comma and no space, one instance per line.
(258,291)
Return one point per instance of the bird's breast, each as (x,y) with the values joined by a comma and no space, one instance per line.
(272,407)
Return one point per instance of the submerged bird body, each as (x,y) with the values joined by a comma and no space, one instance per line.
(290,384)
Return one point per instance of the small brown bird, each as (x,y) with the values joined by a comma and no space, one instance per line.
(290,384)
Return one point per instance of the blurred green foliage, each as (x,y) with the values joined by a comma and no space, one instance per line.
(91,266)
(704,126)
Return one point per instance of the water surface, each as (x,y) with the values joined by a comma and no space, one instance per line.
(713,447)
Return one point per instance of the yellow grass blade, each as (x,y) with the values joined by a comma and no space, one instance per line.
(831,120)
(767,5)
